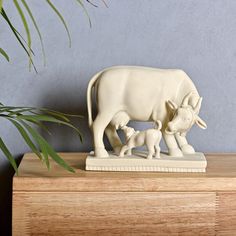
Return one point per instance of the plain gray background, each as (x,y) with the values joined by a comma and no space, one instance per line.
(197,36)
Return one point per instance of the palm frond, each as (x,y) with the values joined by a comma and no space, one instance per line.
(1,1)
(61,18)
(85,10)
(4,54)
(28,42)
(27,30)
(17,35)
(36,27)
(23,118)
(26,137)
(47,148)
(104,2)
(8,155)
(91,3)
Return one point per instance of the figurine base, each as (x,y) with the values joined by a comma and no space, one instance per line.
(138,162)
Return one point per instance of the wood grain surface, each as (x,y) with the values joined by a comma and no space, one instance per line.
(115,213)
(226,213)
(33,176)
(124,203)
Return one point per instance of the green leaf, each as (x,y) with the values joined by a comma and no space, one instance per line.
(49,119)
(44,151)
(8,155)
(46,148)
(19,111)
(43,110)
(37,118)
(57,113)
(23,39)
(38,139)
(1,1)
(41,125)
(4,54)
(104,2)
(61,18)
(32,138)
(26,137)
(54,114)
(91,3)
(85,11)
(3,13)
(56,157)
(27,30)
(11,108)
(36,27)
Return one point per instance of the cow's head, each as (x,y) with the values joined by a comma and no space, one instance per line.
(184,116)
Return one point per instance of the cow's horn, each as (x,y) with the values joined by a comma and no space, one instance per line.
(186,98)
(198,106)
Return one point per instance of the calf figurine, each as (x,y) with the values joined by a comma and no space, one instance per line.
(150,137)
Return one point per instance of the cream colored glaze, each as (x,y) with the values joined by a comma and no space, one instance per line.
(126,93)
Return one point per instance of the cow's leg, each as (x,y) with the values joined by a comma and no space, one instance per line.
(183,144)
(172,145)
(99,125)
(157,150)
(113,138)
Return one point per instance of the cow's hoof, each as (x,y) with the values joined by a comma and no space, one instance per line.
(129,153)
(149,157)
(187,149)
(158,156)
(101,152)
(175,152)
(117,150)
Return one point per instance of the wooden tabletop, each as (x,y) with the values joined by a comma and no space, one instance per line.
(34,176)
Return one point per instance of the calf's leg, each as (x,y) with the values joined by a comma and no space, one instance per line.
(124,149)
(157,150)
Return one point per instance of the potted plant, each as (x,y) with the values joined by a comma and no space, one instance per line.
(27,119)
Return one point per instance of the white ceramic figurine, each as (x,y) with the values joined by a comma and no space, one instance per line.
(150,137)
(127,93)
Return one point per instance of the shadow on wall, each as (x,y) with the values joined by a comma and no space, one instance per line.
(64,138)
(6,174)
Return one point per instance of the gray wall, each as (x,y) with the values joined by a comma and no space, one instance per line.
(197,36)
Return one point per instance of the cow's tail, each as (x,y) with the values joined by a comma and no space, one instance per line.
(158,125)
(89,97)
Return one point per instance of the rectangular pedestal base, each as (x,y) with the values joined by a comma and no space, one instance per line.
(138,162)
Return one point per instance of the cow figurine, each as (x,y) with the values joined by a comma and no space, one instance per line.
(150,137)
(127,93)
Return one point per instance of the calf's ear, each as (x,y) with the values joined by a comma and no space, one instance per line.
(201,123)
(173,106)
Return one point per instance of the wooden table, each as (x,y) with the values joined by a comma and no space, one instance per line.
(57,202)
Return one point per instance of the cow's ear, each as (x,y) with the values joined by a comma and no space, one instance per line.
(173,106)
(201,123)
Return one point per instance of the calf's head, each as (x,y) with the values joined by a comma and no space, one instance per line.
(184,116)
(129,131)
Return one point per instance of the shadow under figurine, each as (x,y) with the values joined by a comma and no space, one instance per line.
(163,96)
